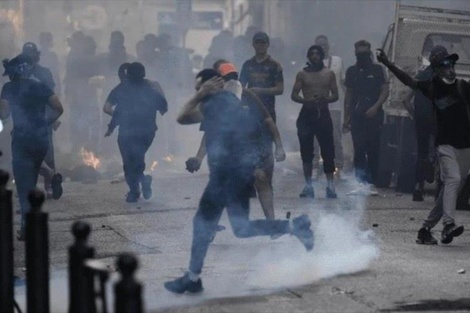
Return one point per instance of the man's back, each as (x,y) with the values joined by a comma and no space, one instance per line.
(137,106)
(27,100)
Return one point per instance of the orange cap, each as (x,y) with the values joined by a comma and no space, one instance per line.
(227,68)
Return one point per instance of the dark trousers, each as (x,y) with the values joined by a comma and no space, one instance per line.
(28,154)
(425,137)
(365,134)
(133,148)
(227,188)
(313,123)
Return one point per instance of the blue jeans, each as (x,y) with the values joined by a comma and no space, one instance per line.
(133,148)
(227,188)
(28,154)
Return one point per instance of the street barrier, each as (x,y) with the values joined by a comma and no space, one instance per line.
(84,270)
(37,255)
(127,292)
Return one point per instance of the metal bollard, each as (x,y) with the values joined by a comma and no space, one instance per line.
(127,291)
(6,246)
(37,255)
(81,289)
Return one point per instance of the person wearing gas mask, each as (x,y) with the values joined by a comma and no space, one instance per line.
(26,100)
(451,99)
(318,86)
(366,91)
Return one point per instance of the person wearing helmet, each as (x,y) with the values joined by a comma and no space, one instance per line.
(26,100)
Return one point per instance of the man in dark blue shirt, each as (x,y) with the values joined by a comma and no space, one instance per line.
(231,174)
(27,100)
(137,103)
(366,91)
(52,180)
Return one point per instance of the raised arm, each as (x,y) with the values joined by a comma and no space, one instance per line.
(55,105)
(400,74)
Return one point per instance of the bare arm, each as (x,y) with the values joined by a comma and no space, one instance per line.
(108,108)
(4,109)
(55,105)
(295,95)
(190,113)
(201,153)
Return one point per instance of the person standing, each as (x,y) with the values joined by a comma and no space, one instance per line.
(231,173)
(137,103)
(318,86)
(263,76)
(451,101)
(366,91)
(334,63)
(26,99)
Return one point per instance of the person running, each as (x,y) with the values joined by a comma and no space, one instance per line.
(52,180)
(231,173)
(136,109)
(265,126)
(318,86)
(26,99)
(451,101)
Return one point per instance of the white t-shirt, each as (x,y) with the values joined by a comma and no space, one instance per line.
(335,64)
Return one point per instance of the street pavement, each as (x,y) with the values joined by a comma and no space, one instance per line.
(365,257)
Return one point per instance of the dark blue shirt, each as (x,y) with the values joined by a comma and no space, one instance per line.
(136,107)
(266,74)
(27,100)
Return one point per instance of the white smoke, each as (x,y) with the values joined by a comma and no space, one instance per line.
(340,248)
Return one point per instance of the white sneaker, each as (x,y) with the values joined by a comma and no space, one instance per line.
(361,190)
(373,190)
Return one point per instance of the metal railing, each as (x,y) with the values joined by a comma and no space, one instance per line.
(84,270)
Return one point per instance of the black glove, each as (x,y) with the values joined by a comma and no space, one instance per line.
(193,165)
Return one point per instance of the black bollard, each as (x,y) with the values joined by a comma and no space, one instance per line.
(127,291)
(6,246)
(37,255)
(81,288)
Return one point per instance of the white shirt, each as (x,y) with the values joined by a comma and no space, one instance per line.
(335,64)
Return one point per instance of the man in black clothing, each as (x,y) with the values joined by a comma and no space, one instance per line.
(425,125)
(231,173)
(52,180)
(451,100)
(27,100)
(136,109)
(366,91)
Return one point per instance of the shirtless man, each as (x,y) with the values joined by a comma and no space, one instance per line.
(319,88)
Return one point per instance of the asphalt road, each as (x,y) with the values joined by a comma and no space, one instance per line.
(365,258)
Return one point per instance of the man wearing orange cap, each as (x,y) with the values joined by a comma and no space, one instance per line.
(266,127)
